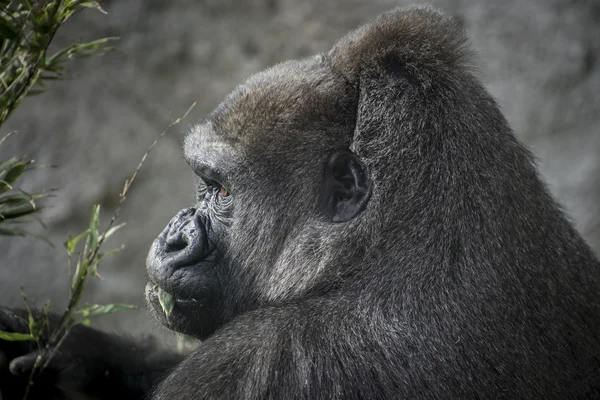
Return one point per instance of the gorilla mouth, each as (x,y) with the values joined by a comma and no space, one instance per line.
(152,294)
(182,308)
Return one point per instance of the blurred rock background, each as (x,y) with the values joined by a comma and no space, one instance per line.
(539,58)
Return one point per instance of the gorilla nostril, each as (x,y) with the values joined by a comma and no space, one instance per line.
(179,237)
(175,240)
(177,246)
(186,240)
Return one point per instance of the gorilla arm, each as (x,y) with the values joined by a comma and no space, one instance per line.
(89,364)
(314,350)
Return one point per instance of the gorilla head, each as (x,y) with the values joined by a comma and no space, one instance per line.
(280,192)
(377,190)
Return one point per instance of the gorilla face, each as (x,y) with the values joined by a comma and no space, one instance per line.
(181,259)
(274,172)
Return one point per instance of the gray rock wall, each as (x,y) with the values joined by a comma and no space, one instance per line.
(539,58)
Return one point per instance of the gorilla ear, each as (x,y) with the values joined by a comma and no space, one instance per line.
(347,186)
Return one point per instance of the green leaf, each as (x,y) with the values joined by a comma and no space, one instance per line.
(88,4)
(4,186)
(79,276)
(15,171)
(51,10)
(5,165)
(71,242)
(111,252)
(100,256)
(93,268)
(15,337)
(36,327)
(94,47)
(94,224)
(41,24)
(167,302)
(18,210)
(16,197)
(7,31)
(112,230)
(9,134)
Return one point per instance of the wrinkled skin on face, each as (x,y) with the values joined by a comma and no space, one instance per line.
(183,261)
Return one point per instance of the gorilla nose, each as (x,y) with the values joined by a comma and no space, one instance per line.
(186,240)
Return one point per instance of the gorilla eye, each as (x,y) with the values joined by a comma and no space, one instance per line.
(216,187)
(223,192)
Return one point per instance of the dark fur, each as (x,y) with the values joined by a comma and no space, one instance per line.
(460,278)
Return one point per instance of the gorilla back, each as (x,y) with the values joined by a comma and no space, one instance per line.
(369,227)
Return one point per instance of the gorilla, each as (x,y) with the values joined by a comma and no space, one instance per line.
(367,226)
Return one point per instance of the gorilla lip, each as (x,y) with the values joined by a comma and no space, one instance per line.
(152,290)
(178,319)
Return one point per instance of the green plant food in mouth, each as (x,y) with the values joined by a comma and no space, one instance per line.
(167,302)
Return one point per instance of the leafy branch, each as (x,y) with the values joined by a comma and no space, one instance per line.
(16,203)
(27,28)
(87,262)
